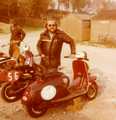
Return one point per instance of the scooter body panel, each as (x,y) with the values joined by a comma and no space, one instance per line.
(82,84)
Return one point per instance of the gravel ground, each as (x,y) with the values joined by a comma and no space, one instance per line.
(102,62)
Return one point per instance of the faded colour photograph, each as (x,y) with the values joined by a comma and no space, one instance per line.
(57,59)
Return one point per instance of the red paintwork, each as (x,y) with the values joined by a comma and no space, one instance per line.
(4,70)
(82,83)
(3,75)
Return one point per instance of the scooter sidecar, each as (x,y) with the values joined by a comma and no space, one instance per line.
(53,90)
(39,95)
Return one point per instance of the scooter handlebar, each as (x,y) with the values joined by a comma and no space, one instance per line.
(71,56)
(66,56)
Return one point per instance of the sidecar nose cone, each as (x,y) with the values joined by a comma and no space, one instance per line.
(48,92)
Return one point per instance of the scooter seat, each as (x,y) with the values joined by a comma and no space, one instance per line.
(54,73)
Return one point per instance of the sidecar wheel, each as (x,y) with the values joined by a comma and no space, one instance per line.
(7,93)
(92,91)
(33,112)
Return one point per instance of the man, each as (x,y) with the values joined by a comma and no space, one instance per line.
(17,36)
(50,45)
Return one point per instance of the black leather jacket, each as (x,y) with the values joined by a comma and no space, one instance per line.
(52,48)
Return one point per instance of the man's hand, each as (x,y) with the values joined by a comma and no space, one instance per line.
(42,55)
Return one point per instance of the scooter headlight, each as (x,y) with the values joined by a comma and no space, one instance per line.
(48,92)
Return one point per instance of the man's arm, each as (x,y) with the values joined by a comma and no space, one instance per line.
(39,45)
(21,31)
(67,39)
(22,34)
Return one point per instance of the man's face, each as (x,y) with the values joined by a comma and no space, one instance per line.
(51,26)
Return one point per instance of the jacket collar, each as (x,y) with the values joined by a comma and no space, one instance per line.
(47,33)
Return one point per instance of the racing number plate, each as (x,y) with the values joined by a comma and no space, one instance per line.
(13,75)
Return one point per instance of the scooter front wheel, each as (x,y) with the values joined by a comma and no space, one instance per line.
(7,93)
(36,112)
(92,91)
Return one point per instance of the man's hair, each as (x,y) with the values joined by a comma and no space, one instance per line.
(50,19)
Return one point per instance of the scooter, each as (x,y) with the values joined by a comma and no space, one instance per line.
(55,89)
(20,77)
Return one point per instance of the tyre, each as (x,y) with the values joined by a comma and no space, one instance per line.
(8,93)
(92,91)
(36,112)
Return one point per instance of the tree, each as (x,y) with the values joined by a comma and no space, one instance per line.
(39,7)
(77,4)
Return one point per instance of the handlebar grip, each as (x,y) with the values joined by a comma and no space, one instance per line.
(66,56)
